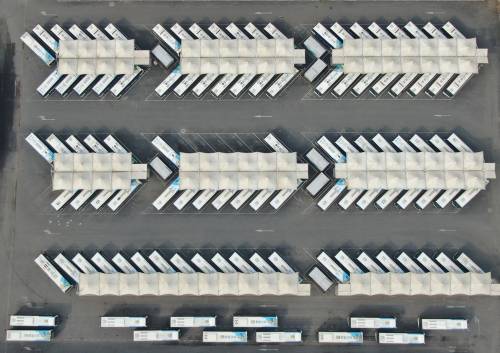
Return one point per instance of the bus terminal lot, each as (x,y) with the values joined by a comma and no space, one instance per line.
(296,229)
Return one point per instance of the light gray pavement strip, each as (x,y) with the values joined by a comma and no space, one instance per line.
(296,229)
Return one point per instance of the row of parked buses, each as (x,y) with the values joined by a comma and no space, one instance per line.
(218,85)
(381,199)
(338,84)
(47,49)
(341,267)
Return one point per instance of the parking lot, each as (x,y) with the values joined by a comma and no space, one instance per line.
(299,230)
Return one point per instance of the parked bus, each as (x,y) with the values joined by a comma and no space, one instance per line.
(443,324)
(181,264)
(275,144)
(241,264)
(369,263)
(68,267)
(347,262)
(160,262)
(320,279)
(167,195)
(83,264)
(223,198)
(469,264)
(156,335)
(330,149)
(38,49)
(223,264)
(330,79)
(167,38)
(428,263)
(388,262)
(332,267)
(241,198)
(160,168)
(326,36)
(281,197)
(123,321)
(126,81)
(314,47)
(123,264)
(192,321)
(28,335)
(49,83)
(103,264)
(166,150)
(340,337)
(315,70)
(32,321)
(203,198)
(40,147)
(56,276)
(278,337)
(317,184)
(260,199)
(255,321)
(225,337)
(142,263)
(280,264)
(448,263)
(203,264)
(400,338)
(261,264)
(372,322)
(409,263)
(184,199)
(326,201)
(317,160)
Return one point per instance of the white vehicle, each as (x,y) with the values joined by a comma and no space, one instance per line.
(280,84)
(123,264)
(406,79)
(223,264)
(223,198)
(225,337)
(440,144)
(160,168)
(223,84)
(280,264)
(429,263)
(156,335)
(169,81)
(163,57)
(401,338)
(317,184)
(57,144)
(326,201)
(340,337)
(345,145)
(372,322)
(28,335)
(281,197)
(327,36)
(377,31)
(329,80)
(96,32)
(465,198)
(84,84)
(101,198)
(348,263)
(167,151)
(401,143)
(199,32)
(185,84)
(203,84)
(278,337)
(432,31)
(181,264)
(408,197)
(241,198)
(414,31)
(275,144)
(368,79)
(369,263)
(40,147)
(53,273)
(260,199)
(315,47)
(218,32)
(49,83)
(452,30)
(203,198)
(409,264)
(119,87)
(367,198)
(114,32)
(468,264)
(38,49)
(83,264)
(446,197)
(448,263)
(261,264)
(68,267)
(60,33)
(456,85)
(76,145)
(421,145)
(273,31)
(123,321)
(94,145)
(203,264)
(388,262)
(32,321)
(439,84)
(103,264)
(63,87)
(62,199)
(241,264)
(192,321)
(255,321)
(443,324)
(332,267)
(383,144)
(320,279)
(260,84)
(160,262)
(349,198)
(142,263)
(184,199)
(254,31)
(167,38)
(458,143)
(78,33)
(315,70)
(317,159)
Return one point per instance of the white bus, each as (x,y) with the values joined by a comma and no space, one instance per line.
(409,263)
(465,198)
(223,198)
(57,144)
(167,151)
(126,81)
(432,31)
(368,79)
(275,144)
(429,263)
(169,81)
(280,84)
(278,337)
(469,264)
(241,198)
(387,79)
(83,264)
(76,145)
(327,36)
(38,49)
(142,263)
(345,145)
(367,198)
(440,144)
(60,33)
(369,263)
(49,83)
(320,279)
(260,199)
(160,262)
(340,337)
(273,31)
(63,198)
(94,144)
(372,322)
(203,264)
(203,198)
(114,32)
(184,199)
(347,262)
(317,184)
(32,321)
(383,144)
(421,145)
(281,197)
(167,38)
(443,324)
(261,83)
(261,264)
(317,159)
(160,168)
(218,32)
(40,147)
(349,198)
(223,264)
(315,70)
(123,264)
(181,264)
(448,263)
(332,267)
(456,85)
(28,335)
(255,321)
(329,80)
(400,338)
(123,321)
(326,201)
(68,267)
(316,48)
(388,262)
(156,336)
(241,264)
(458,143)
(192,321)
(403,146)
(225,337)
(280,264)
(103,264)
(56,276)
(254,31)
(198,31)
